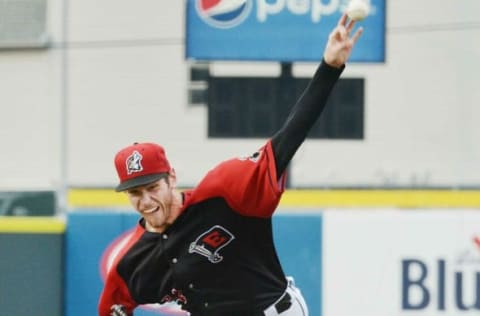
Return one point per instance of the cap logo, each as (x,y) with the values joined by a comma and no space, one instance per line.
(134,163)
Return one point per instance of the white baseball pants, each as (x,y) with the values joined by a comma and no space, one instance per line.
(298,307)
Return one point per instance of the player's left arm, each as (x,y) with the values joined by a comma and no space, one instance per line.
(312,102)
(115,299)
(119,310)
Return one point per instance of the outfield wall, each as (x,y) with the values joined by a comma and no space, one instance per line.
(349,261)
(365,262)
(31,266)
(419,262)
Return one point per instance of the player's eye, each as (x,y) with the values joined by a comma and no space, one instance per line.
(133,192)
(153,187)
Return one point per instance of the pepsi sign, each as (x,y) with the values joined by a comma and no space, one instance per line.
(223,14)
(276,30)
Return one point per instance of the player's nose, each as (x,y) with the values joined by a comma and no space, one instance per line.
(145,201)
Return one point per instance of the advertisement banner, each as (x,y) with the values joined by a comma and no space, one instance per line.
(401,262)
(276,30)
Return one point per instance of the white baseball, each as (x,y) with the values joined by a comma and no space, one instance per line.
(357,10)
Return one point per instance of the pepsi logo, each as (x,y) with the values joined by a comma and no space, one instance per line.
(223,13)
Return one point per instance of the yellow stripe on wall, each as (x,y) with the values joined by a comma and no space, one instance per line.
(316,198)
(381,198)
(96,198)
(33,225)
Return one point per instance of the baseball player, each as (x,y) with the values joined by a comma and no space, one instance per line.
(210,249)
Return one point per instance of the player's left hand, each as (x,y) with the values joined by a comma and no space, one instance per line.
(340,42)
(118,310)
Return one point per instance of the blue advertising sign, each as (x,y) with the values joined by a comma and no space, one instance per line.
(276,30)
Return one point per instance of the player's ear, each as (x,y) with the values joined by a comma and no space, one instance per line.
(172,178)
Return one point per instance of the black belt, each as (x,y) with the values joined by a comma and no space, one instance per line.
(284,303)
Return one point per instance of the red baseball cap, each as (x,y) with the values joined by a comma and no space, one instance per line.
(140,164)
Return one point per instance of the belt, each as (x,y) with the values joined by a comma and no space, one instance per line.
(280,306)
(284,303)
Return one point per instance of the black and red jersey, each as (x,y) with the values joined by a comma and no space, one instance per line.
(218,257)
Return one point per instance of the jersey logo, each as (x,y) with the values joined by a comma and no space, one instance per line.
(134,162)
(210,242)
(175,296)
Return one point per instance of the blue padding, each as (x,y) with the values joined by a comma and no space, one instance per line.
(87,236)
(299,247)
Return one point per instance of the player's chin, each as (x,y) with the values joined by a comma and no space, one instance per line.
(158,218)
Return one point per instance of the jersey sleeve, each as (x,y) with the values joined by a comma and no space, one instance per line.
(115,292)
(248,184)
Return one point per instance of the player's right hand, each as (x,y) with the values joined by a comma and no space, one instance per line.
(118,310)
(340,42)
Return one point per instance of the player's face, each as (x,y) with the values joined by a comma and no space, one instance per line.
(154,202)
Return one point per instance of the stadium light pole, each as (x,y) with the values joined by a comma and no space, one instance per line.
(62,196)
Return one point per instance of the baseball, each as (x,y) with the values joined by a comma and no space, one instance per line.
(357,10)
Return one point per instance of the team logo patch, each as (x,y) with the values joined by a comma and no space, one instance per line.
(223,13)
(210,242)
(175,296)
(134,162)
